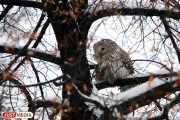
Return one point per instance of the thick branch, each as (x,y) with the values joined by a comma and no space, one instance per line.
(43,103)
(43,30)
(6,10)
(148,97)
(32,53)
(25,47)
(134,12)
(47,103)
(37,84)
(130,81)
(24,3)
(97,14)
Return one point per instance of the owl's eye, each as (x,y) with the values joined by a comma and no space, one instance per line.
(102,48)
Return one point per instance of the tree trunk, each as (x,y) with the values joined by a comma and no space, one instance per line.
(72,45)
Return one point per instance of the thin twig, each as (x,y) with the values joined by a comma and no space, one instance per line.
(170,34)
(4,13)
(32,85)
(37,76)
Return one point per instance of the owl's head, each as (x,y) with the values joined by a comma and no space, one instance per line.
(101,49)
(104,46)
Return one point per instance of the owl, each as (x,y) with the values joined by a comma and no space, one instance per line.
(113,61)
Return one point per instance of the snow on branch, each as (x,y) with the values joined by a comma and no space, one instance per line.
(135,79)
(134,98)
(145,93)
(166,108)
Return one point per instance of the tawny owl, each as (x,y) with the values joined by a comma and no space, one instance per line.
(113,61)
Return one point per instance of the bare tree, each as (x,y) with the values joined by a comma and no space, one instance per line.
(45,67)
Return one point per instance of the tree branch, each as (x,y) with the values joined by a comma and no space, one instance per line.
(148,97)
(6,10)
(167,108)
(130,81)
(25,47)
(135,11)
(145,98)
(31,53)
(43,103)
(24,3)
(37,76)
(97,14)
(170,34)
(32,85)
(43,30)
(21,87)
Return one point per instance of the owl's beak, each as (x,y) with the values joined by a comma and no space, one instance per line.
(100,55)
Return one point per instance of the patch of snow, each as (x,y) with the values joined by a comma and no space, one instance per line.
(58,54)
(140,89)
(97,112)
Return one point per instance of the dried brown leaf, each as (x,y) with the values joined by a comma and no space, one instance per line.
(69,87)
(82,1)
(151,78)
(4,75)
(69,109)
(137,105)
(81,43)
(71,14)
(152,0)
(112,94)
(120,117)
(85,88)
(62,112)
(33,36)
(6,49)
(176,8)
(70,59)
(178,81)
(148,116)
(168,97)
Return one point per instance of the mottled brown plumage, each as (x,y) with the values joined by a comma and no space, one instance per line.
(113,61)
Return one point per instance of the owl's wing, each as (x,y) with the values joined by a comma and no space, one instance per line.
(126,60)
(119,58)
